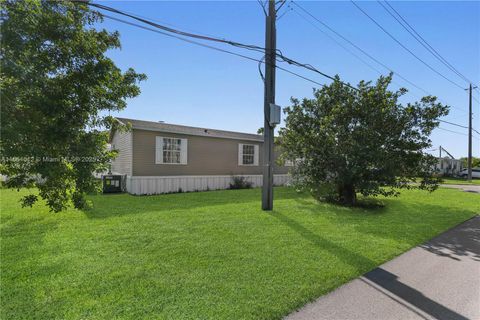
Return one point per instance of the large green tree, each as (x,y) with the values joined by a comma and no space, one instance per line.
(475,162)
(348,140)
(57,85)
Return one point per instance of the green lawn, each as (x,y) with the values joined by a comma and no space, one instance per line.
(211,255)
(460,181)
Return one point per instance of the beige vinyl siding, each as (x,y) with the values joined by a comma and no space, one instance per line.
(206,156)
(122,141)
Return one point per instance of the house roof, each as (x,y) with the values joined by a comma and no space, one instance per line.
(194,131)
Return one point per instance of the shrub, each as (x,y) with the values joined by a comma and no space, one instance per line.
(239,182)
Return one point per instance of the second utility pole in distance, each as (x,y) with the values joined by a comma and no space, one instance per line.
(469,160)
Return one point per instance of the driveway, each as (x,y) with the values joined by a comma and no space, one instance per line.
(467,188)
(437,280)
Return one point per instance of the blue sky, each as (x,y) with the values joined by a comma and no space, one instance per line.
(196,86)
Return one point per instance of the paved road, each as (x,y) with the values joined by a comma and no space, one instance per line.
(468,188)
(437,280)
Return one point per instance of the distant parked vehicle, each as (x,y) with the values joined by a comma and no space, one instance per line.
(475,173)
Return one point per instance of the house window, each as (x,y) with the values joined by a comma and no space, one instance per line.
(170,150)
(248,154)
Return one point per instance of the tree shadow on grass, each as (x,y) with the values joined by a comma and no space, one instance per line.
(365,207)
(22,266)
(408,223)
(414,224)
(355,260)
(113,205)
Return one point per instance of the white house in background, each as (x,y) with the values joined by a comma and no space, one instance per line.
(448,166)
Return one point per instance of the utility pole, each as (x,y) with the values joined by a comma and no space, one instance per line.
(469,161)
(269,98)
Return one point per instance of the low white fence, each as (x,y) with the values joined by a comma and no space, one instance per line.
(144,185)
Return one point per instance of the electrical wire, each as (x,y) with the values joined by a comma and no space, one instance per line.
(170,24)
(365,52)
(260,61)
(290,61)
(357,47)
(284,12)
(458,125)
(420,39)
(172,30)
(344,47)
(282,3)
(279,55)
(461,133)
(403,46)
(263,7)
(335,40)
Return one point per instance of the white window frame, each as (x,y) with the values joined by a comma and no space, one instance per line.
(159,141)
(255,154)
(289,163)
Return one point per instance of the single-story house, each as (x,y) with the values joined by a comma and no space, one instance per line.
(158,157)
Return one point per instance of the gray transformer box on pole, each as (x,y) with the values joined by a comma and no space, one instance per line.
(274,114)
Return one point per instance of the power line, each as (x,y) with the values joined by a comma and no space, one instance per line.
(421,40)
(209,38)
(284,12)
(172,30)
(260,61)
(282,3)
(336,41)
(210,47)
(279,54)
(456,132)
(403,46)
(458,125)
(263,7)
(347,49)
(168,24)
(290,61)
(358,48)
(362,51)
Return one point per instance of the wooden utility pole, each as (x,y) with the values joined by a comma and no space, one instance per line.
(270,55)
(469,161)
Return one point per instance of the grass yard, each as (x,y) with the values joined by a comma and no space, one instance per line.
(211,255)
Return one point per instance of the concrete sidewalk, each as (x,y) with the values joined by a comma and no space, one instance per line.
(437,280)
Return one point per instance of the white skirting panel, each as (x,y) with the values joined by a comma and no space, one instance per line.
(142,185)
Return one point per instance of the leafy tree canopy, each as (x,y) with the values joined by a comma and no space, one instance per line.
(346,141)
(57,85)
(475,162)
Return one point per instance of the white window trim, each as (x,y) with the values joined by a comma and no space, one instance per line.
(159,151)
(256,150)
(288,163)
